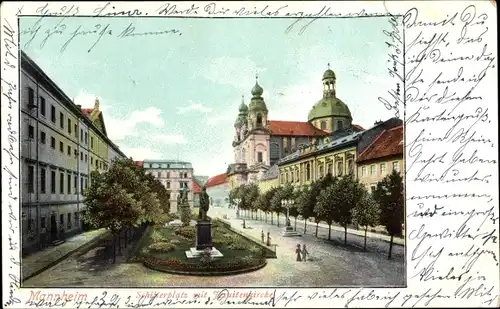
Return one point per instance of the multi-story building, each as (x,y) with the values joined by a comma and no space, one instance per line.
(259,142)
(336,154)
(55,156)
(218,189)
(175,176)
(381,157)
(270,179)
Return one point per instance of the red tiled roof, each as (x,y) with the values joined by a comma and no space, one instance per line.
(358,127)
(87,111)
(196,187)
(216,180)
(296,128)
(388,143)
(139,163)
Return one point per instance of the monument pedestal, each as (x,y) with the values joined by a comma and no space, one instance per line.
(289,232)
(203,235)
(203,241)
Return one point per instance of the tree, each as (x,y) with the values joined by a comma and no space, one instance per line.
(389,194)
(366,213)
(111,203)
(325,209)
(251,196)
(348,193)
(276,203)
(305,205)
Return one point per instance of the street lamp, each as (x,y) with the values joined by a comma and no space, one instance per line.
(288,203)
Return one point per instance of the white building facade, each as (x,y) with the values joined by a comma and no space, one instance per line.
(54,160)
(175,176)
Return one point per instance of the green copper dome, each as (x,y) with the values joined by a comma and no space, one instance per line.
(257,90)
(328,74)
(328,107)
(239,122)
(243,108)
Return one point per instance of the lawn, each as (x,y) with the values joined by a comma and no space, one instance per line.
(170,243)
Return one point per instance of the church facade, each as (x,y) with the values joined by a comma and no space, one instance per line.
(260,143)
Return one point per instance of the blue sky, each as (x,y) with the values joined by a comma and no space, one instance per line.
(176,95)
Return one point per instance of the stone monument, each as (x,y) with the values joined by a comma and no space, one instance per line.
(203,230)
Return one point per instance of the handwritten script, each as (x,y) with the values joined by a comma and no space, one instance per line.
(447,78)
(443,69)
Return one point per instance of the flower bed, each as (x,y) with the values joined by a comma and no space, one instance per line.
(177,265)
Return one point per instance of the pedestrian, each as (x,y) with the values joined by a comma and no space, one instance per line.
(262,235)
(244,225)
(305,253)
(268,239)
(298,251)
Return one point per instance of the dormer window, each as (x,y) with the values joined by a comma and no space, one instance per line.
(340,124)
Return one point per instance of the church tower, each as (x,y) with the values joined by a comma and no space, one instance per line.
(257,109)
(330,113)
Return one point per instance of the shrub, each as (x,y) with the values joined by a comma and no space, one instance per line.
(238,243)
(157,237)
(175,241)
(186,232)
(162,247)
(255,250)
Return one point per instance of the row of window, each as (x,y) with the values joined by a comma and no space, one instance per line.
(382,168)
(295,177)
(64,181)
(43,221)
(42,108)
(168,175)
(83,157)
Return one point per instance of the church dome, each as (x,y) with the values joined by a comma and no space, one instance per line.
(328,74)
(243,108)
(257,90)
(239,122)
(329,107)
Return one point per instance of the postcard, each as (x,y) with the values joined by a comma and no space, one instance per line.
(249,154)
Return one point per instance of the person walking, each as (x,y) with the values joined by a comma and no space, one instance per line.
(305,253)
(262,235)
(298,252)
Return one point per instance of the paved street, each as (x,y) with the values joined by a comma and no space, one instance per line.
(375,242)
(332,265)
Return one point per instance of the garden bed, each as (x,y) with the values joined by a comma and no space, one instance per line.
(163,249)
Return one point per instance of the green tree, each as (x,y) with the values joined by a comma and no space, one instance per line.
(347,195)
(276,203)
(325,207)
(305,204)
(366,213)
(111,203)
(251,196)
(389,194)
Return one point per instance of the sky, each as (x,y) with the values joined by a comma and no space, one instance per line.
(175,93)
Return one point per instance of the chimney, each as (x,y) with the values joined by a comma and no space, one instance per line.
(79,106)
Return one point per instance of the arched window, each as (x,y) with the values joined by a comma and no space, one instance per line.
(308,172)
(323,125)
(259,120)
(340,124)
(340,168)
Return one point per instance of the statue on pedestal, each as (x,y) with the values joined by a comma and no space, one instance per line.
(204,205)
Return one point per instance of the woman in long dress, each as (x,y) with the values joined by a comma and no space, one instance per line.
(298,252)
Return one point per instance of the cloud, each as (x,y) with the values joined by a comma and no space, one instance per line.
(236,72)
(221,118)
(120,127)
(141,153)
(170,138)
(193,107)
